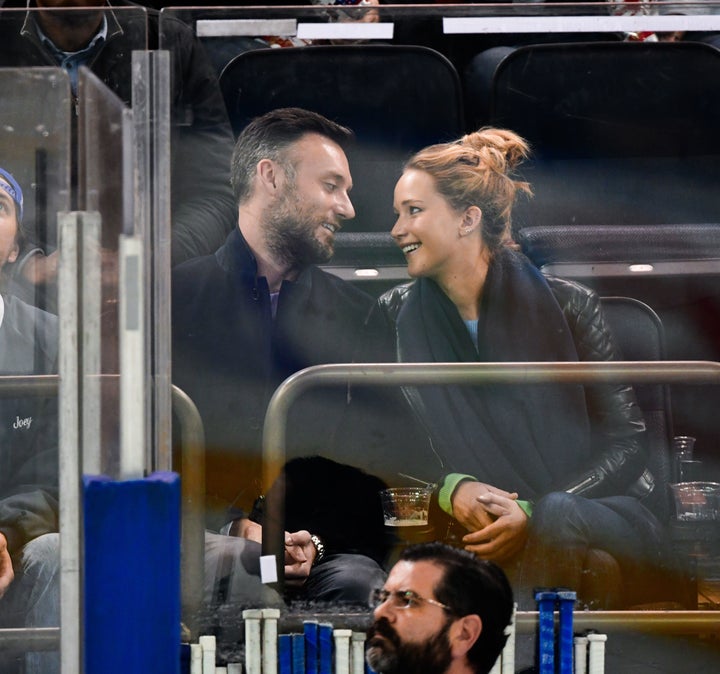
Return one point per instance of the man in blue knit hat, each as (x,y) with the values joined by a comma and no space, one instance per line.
(28,454)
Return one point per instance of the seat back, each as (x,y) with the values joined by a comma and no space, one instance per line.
(638,333)
(673,268)
(397,99)
(622,133)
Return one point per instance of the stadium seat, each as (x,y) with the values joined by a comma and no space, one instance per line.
(639,334)
(622,133)
(396,99)
(673,268)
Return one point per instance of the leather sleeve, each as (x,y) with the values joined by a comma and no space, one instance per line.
(618,426)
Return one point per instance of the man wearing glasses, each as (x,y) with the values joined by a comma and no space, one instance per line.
(442,611)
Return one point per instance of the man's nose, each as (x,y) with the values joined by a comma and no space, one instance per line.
(345,208)
(384,611)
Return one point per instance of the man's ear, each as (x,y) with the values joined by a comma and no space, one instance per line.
(267,174)
(463,634)
(13,255)
(471,220)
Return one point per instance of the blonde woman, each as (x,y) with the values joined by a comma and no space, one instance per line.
(534,475)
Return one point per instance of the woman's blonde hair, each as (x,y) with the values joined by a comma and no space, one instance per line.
(477,170)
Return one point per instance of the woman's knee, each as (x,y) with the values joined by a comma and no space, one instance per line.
(558,516)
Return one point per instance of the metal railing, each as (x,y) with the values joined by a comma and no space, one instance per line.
(193,493)
(407,374)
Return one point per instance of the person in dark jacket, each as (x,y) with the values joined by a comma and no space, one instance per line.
(259,310)
(534,475)
(84,33)
(28,453)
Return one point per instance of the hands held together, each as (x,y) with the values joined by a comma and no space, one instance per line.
(497,524)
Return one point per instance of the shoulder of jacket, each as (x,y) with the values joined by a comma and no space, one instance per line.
(341,287)
(571,295)
(392,300)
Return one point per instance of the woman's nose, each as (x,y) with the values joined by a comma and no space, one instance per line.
(398,229)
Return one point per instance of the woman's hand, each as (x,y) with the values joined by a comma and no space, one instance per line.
(506,535)
(468,510)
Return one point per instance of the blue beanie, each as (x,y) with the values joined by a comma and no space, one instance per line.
(14,190)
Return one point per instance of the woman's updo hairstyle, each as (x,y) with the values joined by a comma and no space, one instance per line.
(477,171)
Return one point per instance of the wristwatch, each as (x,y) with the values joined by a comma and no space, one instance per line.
(319,548)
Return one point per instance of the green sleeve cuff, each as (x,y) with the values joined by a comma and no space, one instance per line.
(447,489)
(526,506)
(449,485)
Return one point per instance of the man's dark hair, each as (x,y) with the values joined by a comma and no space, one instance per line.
(269,136)
(471,586)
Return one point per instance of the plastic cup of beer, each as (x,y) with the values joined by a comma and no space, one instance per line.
(696,501)
(406,506)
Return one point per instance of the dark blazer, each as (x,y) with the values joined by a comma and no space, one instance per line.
(229,356)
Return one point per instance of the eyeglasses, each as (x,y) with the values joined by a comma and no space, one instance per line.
(402,599)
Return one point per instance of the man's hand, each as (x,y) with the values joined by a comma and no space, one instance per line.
(299,549)
(506,536)
(246,528)
(41,268)
(6,569)
(299,555)
(468,510)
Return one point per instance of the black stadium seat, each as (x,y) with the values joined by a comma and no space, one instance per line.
(622,133)
(397,99)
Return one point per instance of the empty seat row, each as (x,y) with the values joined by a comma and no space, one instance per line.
(622,133)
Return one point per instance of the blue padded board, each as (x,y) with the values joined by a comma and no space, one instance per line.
(132,575)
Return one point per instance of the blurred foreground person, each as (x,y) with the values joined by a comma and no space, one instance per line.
(442,611)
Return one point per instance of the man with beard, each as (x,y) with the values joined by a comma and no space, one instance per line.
(259,310)
(442,611)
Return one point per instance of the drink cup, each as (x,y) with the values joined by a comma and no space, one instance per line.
(406,506)
(696,501)
(683,448)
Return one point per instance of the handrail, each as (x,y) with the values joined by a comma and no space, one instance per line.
(193,494)
(29,385)
(192,486)
(657,621)
(25,639)
(406,374)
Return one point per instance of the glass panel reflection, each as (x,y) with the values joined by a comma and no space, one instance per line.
(34,187)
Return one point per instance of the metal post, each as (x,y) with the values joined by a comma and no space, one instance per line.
(193,505)
(70,517)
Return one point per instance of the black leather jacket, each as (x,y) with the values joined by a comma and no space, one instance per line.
(617,421)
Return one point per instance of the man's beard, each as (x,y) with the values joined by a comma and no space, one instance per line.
(290,234)
(73,19)
(392,656)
